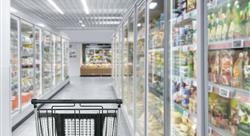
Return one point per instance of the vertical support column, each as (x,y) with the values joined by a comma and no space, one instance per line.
(135,67)
(146,67)
(202,68)
(5,125)
(167,64)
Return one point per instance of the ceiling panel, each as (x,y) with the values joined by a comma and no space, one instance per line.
(104,14)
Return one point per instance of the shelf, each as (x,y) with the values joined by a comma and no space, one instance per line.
(230,44)
(153,90)
(184,19)
(156,50)
(191,47)
(184,111)
(220,131)
(228,91)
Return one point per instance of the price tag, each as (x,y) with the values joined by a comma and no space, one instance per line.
(210,88)
(238,44)
(224,92)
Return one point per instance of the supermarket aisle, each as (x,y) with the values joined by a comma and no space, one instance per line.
(79,88)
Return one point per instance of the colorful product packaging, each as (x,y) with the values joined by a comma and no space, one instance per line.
(226,65)
(214,66)
(237,77)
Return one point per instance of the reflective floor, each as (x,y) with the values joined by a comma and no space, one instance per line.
(79,88)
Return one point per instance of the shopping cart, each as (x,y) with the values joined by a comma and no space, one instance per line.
(77,117)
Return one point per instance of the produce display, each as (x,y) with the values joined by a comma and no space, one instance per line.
(228,59)
(58,60)
(183,68)
(140,70)
(156,70)
(14,69)
(47,61)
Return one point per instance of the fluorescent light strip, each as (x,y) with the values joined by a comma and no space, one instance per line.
(13,10)
(85,6)
(55,6)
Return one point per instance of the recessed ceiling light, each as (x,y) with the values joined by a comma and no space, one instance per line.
(41,24)
(80,21)
(13,10)
(55,6)
(139,24)
(152,5)
(85,6)
(83,25)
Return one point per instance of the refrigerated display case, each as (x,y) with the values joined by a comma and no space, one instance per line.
(156,69)
(228,67)
(140,69)
(58,60)
(14,64)
(47,68)
(38,59)
(27,62)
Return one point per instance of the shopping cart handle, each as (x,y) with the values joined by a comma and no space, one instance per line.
(74,101)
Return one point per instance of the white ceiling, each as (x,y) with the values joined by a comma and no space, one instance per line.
(104,14)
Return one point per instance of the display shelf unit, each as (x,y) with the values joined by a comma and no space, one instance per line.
(31,54)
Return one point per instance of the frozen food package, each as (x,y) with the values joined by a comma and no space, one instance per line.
(237,77)
(246,71)
(214,66)
(219,109)
(226,64)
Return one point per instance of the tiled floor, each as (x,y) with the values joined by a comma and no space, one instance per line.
(79,88)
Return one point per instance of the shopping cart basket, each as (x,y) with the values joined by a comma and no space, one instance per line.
(77,117)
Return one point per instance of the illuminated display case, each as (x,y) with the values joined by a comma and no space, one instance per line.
(31,65)
(58,60)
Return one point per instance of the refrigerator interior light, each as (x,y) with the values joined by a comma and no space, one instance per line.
(82,25)
(80,22)
(139,24)
(55,6)
(41,24)
(152,5)
(13,10)
(85,6)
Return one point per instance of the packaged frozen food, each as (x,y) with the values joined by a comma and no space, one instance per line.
(214,66)
(237,77)
(226,64)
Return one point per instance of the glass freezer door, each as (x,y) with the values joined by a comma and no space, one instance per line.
(140,71)
(58,60)
(156,69)
(27,62)
(38,49)
(47,61)
(14,64)
(183,71)
(229,67)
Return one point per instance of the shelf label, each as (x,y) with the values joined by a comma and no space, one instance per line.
(224,92)
(210,88)
(238,44)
